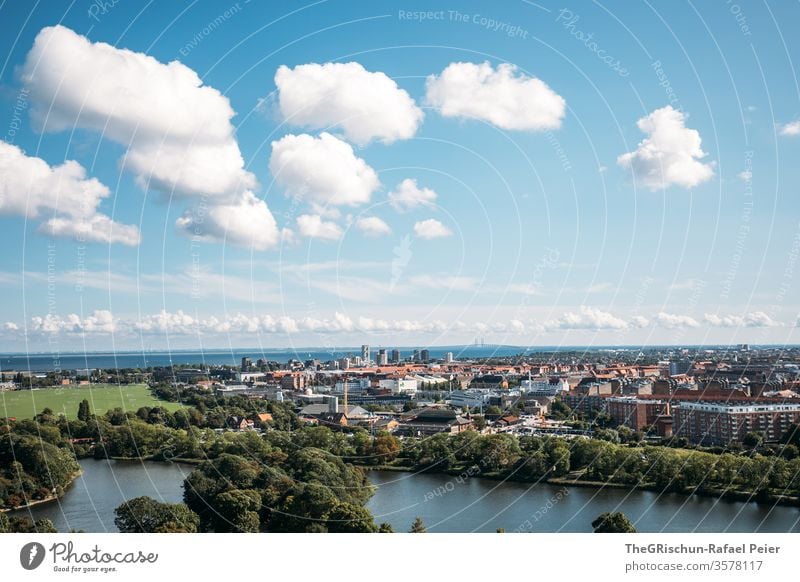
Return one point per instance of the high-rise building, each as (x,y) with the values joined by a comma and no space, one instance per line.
(448,358)
(425,356)
(247,363)
(395,356)
(383,357)
(415,356)
(365,353)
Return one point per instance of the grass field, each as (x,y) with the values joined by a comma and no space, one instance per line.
(101,397)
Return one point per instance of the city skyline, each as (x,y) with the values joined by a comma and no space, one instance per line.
(285,177)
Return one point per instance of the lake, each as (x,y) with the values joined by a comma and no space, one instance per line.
(89,503)
(445,503)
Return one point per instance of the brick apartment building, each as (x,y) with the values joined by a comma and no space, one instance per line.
(636,413)
(721,424)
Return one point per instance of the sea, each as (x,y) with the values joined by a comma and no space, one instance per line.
(46,362)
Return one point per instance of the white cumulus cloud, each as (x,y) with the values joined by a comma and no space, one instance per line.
(365,105)
(588,318)
(30,187)
(754,319)
(246,223)
(408,195)
(791,128)
(672,321)
(322,170)
(178,131)
(373,226)
(312,226)
(431,228)
(669,155)
(503,96)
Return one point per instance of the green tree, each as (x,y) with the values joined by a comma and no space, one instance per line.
(238,511)
(752,440)
(418,526)
(616,522)
(146,515)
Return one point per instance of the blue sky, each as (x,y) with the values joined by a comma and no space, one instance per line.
(543,233)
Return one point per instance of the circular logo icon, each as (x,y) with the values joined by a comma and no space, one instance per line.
(31,555)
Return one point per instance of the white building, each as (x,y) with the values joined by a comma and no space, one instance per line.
(405,385)
(353,385)
(248,377)
(471,398)
(543,387)
(448,358)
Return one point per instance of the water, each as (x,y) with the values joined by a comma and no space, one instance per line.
(90,502)
(482,505)
(45,362)
(479,505)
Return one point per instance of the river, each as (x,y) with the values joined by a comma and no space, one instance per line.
(445,503)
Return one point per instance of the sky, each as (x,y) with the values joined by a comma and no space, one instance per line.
(293,174)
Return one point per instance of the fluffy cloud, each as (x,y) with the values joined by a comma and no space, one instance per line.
(407,196)
(312,226)
(431,228)
(96,228)
(503,96)
(672,321)
(322,170)
(670,155)
(587,318)
(177,132)
(30,187)
(247,223)
(373,226)
(365,105)
(99,322)
(754,319)
(792,128)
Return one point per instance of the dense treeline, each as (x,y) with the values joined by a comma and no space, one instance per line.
(309,479)
(36,463)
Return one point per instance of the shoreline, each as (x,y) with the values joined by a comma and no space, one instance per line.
(725,495)
(49,498)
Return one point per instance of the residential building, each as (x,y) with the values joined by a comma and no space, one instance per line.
(636,413)
(721,424)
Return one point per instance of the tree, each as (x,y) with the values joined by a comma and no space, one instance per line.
(418,526)
(616,522)
(84,412)
(752,440)
(146,515)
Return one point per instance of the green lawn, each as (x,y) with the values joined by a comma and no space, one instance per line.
(101,397)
